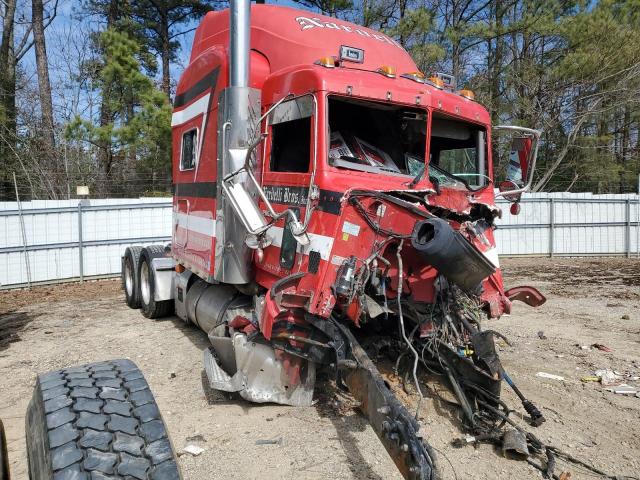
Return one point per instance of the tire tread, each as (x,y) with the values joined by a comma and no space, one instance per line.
(155,309)
(132,254)
(86,432)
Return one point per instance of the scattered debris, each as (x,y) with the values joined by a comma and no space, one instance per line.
(269,442)
(172,375)
(601,347)
(623,389)
(625,317)
(196,438)
(550,376)
(608,377)
(514,443)
(565,476)
(590,378)
(541,335)
(193,450)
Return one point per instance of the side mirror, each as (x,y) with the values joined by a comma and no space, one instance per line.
(242,202)
(518,166)
(507,188)
(521,163)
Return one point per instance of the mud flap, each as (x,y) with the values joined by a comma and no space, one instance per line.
(259,376)
(396,428)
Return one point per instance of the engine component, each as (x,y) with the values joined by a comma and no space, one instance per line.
(537,418)
(344,279)
(207,303)
(451,254)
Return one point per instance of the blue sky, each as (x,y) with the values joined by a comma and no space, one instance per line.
(65,39)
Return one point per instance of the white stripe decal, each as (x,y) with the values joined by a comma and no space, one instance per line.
(319,243)
(193,223)
(192,111)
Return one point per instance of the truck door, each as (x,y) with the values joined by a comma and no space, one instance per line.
(286,176)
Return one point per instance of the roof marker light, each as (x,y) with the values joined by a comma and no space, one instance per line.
(436,82)
(327,62)
(387,71)
(468,94)
(415,76)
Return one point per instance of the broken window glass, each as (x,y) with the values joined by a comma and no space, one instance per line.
(376,137)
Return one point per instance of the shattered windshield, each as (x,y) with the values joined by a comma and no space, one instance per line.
(457,155)
(376,137)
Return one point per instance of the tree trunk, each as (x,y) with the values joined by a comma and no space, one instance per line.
(7,86)
(44,86)
(105,154)
(166,53)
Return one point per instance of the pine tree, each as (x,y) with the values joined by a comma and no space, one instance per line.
(140,115)
(162,23)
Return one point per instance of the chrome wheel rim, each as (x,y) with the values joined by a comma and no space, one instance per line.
(145,288)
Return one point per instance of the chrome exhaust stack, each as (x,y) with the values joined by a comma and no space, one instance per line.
(239,42)
(238,129)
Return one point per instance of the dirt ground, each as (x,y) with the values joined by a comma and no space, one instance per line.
(589,301)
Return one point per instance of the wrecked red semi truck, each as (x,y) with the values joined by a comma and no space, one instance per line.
(331,201)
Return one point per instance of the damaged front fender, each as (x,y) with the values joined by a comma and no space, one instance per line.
(529,295)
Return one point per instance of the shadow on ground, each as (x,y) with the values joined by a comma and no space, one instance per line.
(11,324)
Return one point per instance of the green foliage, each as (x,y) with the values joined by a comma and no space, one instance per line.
(141,114)
(567,67)
(412,30)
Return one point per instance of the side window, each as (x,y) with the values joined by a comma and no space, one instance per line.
(189,149)
(291,146)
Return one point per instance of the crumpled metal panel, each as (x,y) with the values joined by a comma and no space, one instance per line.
(260,376)
(218,378)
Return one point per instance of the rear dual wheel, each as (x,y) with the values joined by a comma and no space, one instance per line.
(130,278)
(150,307)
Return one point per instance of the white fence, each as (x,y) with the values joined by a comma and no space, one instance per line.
(66,240)
(571,224)
(70,240)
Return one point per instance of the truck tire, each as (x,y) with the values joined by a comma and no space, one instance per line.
(97,421)
(130,277)
(4,457)
(149,307)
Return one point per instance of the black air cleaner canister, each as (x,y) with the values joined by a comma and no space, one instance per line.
(451,254)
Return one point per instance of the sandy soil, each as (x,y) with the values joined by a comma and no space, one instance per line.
(589,301)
